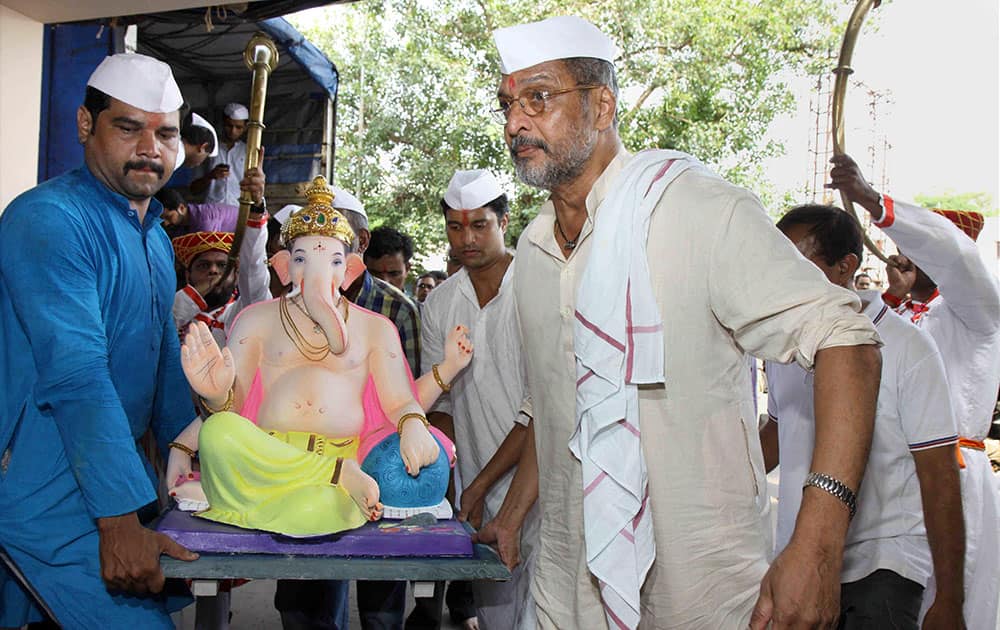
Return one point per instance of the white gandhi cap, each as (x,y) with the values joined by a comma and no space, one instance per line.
(469,190)
(343,200)
(282,215)
(201,122)
(236,111)
(140,81)
(561,37)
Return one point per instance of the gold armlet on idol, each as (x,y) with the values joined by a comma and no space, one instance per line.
(408,416)
(227,406)
(183,447)
(445,387)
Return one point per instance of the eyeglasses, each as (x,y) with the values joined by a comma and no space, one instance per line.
(534,102)
(425,286)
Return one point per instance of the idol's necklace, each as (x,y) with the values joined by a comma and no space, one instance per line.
(316,327)
(308,350)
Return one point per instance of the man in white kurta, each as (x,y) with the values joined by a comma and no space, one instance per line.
(724,282)
(220,175)
(742,289)
(485,399)
(962,314)
(252,279)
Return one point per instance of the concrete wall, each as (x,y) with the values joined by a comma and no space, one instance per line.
(20,98)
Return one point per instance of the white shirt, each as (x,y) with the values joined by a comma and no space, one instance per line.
(914,413)
(486,397)
(725,282)
(253,285)
(226,190)
(965,323)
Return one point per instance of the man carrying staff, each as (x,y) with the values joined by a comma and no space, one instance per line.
(940,282)
(90,359)
(640,286)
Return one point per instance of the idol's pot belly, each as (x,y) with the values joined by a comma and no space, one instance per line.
(311,398)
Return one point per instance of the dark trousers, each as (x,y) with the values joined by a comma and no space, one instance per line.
(381,605)
(883,600)
(426,613)
(313,604)
(323,604)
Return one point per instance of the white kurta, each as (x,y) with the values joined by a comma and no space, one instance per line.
(914,413)
(226,190)
(965,323)
(726,282)
(485,402)
(253,285)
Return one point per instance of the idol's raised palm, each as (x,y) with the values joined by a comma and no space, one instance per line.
(209,371)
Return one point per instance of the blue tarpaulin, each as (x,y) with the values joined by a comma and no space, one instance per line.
(209,67)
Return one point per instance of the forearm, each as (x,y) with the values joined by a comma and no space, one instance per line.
(505,458)
(941,494)
(769,445)
(189,436)
(523,491)
(428,388)
(443,422)
(253,279)
(845,392)
(199,185)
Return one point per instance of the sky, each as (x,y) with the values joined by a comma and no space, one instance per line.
(938,63)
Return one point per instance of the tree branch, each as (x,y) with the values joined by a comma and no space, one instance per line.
(642,99)
(398,139)
(663,49)
(486,16)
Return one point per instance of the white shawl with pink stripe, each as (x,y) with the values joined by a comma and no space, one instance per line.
(618,341)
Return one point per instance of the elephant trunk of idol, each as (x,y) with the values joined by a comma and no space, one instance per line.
(317,293)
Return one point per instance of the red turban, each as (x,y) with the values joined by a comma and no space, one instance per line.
(969,222)
(190,245)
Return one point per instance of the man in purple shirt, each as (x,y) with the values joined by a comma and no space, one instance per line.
(181,217)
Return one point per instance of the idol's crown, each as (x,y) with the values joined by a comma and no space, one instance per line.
(318,217)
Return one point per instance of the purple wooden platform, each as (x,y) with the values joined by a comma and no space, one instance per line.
(382,539)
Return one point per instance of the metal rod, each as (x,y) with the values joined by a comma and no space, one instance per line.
(842,72)
(260,56)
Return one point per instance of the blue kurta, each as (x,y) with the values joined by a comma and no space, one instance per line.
(89,359)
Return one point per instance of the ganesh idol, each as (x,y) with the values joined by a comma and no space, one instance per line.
(328,409)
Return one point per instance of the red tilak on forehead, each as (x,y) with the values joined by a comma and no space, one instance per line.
(465,218)
(510,83)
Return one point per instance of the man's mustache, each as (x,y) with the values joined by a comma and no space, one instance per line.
(137,164)
(524,141)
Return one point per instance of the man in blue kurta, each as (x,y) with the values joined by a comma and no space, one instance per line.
(90,360)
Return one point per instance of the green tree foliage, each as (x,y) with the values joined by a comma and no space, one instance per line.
(981,202)
(419,77)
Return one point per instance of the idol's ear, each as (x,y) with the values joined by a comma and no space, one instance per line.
(355,267)
(279,262)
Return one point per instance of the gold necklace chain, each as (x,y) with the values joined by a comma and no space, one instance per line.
(316,326)
(309,351)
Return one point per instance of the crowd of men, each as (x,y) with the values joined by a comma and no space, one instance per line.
(607,441)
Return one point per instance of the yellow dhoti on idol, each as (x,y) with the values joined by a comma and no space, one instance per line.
(274,481)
